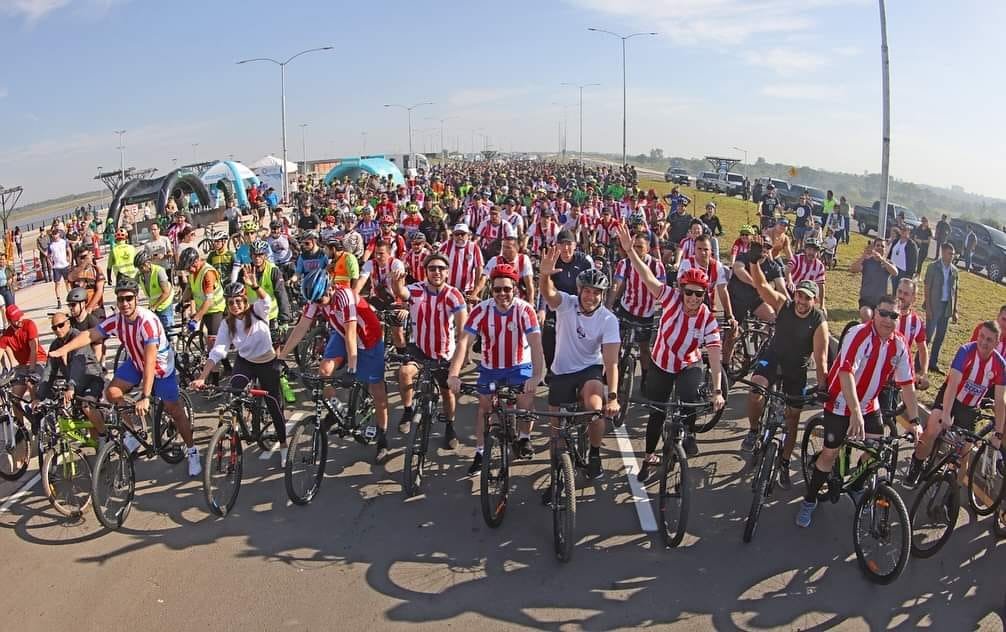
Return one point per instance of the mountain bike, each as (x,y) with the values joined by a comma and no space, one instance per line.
(66,474)
(881,527)
(986,476)
(426,404)
(16,437)
(752,339)
(628,358)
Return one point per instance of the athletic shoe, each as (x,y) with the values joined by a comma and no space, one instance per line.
(382,447)
(195,466)
(644,470)
(748,444)
(691,448)
(546,496)
(523,448)
(450,437)
(805,514)
(914,473)
(594,470)
(476,465)
(404,424)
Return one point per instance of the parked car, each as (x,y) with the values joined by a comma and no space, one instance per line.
(710,181)
(990,250)
(735,183)
(677,175)
(867,217)
(796,191)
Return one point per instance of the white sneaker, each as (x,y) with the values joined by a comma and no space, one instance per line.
(195,465)
(282,456)
(131,443)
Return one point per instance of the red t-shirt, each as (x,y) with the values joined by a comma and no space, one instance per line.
(17,338)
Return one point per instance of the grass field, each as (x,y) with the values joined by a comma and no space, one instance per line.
(980,299)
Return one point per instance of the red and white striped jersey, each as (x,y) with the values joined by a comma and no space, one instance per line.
(912,326)
(680,337)
(465,262)
(606,232)
(803,268)
(739,248)
(489,232)
(1000,347)
(136,334)
(978,375)
(380,276)
(687,247)
(637,299)
(504,334)
(522,265)
(872,361)
(515,219)
(345,306)
(413,260)
(543,234)
(716,272)
(433,318)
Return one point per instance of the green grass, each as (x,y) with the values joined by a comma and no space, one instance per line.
(980,299)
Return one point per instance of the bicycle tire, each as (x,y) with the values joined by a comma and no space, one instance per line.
(811,445)
(305,461)
(66,480)
(360,407)
(626,378)
(673,515)
(740,359)
(223,470)
(762,484)
(311,349)
(940,492)
(167,441)
(563,506)
(714,416)
(494,483)
(113,485)
(884,498)
(415,453)
(15,456)
(267,439)
(976,470)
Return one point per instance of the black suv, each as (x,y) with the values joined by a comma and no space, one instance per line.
(990,251)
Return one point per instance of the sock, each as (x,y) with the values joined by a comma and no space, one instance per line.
(817,480)
(478,450)
(595,451)
(408,412)
(525,435)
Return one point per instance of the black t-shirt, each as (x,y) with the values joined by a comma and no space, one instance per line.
(922,234)
(566,273)
(802,215)
(768,204)
(90,321)
(740,290)
(307,222)
(793,343)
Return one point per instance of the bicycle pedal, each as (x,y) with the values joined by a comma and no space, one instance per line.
(370,433)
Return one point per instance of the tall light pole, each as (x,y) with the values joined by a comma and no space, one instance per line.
(885,152)
(581,87)
(443,147)
(565,127)
(282,75)
(194,146)
(303,143)
(122,153)
(623,38)
(745,161)
(408,108)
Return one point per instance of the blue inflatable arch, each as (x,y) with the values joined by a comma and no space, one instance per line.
(373,165)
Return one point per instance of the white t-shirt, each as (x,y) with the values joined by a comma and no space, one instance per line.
(578,338)
(57,254)
(897,255)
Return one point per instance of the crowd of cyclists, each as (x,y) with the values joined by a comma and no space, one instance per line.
(531,271)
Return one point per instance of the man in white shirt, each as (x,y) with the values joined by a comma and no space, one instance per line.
(59,255)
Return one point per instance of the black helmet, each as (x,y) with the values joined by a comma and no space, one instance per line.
(142,258)
(260,247)
(126,284)
(235,289)
(76,295)
(274,224)
(188,258)
(592,278)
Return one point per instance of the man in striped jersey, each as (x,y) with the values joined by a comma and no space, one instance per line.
(871,354)
(717,273)
(1001,321)
(466,262)
(438,312)
(912,326)
(976,368)
(807,266)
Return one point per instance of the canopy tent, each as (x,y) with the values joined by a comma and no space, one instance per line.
(270,169)
(236,174)
(373,165)
(175,184)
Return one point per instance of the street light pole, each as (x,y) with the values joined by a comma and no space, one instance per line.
(122,153)
(745,161)
(885,151)
(282,75)
(581,87)
(443,147)
(624,90)
(194,145)
(303,143)
(408,108)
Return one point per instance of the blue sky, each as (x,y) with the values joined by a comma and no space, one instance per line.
(795,81)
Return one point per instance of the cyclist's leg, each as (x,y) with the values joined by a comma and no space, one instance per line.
(92,387)
(793,385)
(407,375)
(765,370)
(592,398)
(268,375)
(517,376)
(370,371)
(333,357)
(658,388)
(689,382)
(836,427)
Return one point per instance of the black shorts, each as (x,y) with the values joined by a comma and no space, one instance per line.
(642,335)
(211,323)
(836,427)
(417,354)
(964,416)
(794,379)
(91,386)
(744,308)
(565,389)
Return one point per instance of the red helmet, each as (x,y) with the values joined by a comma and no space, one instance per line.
(694,276)
(121,234)
(504,271)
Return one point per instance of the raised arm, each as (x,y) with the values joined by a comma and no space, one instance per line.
(652,283)
(547,268)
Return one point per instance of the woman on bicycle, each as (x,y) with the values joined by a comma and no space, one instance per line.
(246,327)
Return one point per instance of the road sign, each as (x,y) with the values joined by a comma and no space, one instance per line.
(792,172)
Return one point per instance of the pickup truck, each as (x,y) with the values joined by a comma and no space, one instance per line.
(710,181)
(791,198)
(867,217)
(990,250)
(677,175)
(735,183)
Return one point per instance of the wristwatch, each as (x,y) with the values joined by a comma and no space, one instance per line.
(255,288)
(612,397)
(717,392)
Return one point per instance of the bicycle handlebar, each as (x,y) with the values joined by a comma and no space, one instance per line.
(665,406)
(246,390)
(815,397)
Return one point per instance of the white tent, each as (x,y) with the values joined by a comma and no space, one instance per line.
(270,169)
(223,170)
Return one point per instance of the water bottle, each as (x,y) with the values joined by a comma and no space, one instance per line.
(193,325)
(284,388)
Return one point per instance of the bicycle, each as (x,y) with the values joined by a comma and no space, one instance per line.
(114,479)
(307,450)
(16,437)
(753,338)
(66,474)
(937,505)
(986,479)
(674,500)
(880,511)
(240,419)
(769,443)
(628,357)
(426,404)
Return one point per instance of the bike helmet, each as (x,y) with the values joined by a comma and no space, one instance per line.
(812,243)
(260,248)
(636,218)
(504,271)
(251,226)
(234,290)
(592,278)
(188,258)
(121,234)
(347,216)
(275,224)
(216,235)
(436,256)
(142,258)
(76,295)
(314,285)
(335,240)
(747,230)
(309,235)
(126,284)
(694,276)
(412,208)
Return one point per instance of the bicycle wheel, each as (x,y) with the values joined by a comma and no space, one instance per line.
(985,479)
(740,358)
(934,514)
(66,480)
(311,349)
(881,533)
(113,485)
(762,484)
(706,421)
(257,419)
(360,407)
(223,470)
(811,445)
(415,452)
(305,461)
(167,442)
(15,449)
(626,377)
(494,485)
(563,506)
(675,494)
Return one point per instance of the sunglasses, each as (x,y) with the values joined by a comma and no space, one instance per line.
(125,298)
(440,269)
(58,326)
(237,300)
(502,289)
(883,313)
(688,292)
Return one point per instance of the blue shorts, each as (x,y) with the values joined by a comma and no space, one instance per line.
(369,362)
(514,376)
(165,388)
(167,317)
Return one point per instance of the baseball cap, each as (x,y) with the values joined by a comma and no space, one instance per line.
(782,221)
(807,287)
(14,313)
(564,235)
(461,228)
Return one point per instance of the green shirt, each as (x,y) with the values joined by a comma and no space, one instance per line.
(828,206)
(617,191)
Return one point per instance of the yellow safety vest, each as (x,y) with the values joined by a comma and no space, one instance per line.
(153,289)
(266,283)
(122,259)
(217,302)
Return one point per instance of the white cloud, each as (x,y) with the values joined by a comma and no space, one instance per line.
(478,96)
(785,61)
(804,91)
(31,10)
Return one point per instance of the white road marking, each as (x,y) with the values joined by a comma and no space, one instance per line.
(639,496)
(20,493)
(291,420)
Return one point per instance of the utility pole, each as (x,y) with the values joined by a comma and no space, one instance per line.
(122,152)
(581,87)
(885,153)
(303,144)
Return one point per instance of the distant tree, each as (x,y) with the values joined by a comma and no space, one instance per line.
(656,154)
